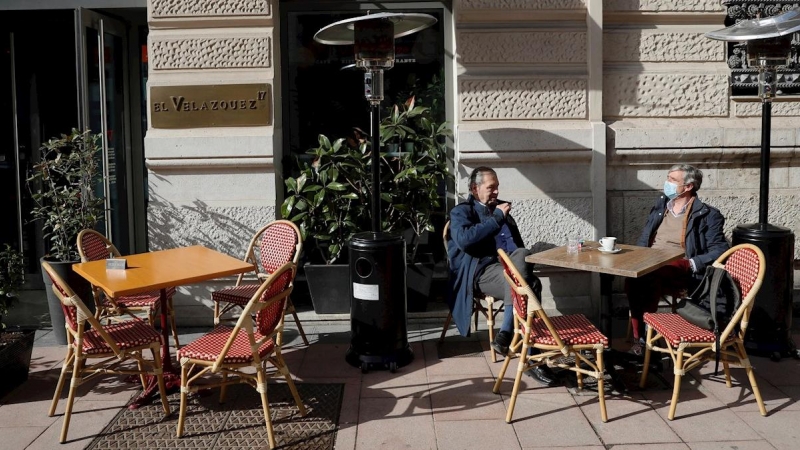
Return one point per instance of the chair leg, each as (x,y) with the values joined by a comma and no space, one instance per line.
(523,360)
(284,370)
(290,308)
(216,313)
(262,389)
(223,390)
(73,387)
(676,388)
(68,361)
(647,355)
(184,393)
(490,326)
(601,390)
(506,363)
(446,326)
(727,370)
(751,375)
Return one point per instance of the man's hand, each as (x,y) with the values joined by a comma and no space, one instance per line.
(682,264)
(505,208)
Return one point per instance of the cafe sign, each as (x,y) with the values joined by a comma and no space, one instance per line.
(224,105)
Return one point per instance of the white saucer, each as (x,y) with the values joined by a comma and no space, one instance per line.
(616,250)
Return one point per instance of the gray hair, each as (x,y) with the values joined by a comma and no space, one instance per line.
(691,174)
(476,177)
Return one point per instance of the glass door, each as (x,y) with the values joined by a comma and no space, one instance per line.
(103,88)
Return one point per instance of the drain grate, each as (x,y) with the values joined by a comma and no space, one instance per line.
(238,423)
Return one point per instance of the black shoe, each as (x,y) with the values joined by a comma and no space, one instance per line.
(543,375)
(501,342)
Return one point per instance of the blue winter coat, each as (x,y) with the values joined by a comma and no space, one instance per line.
(472,238)
(705,240)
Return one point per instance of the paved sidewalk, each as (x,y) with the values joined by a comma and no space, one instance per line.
(447,402)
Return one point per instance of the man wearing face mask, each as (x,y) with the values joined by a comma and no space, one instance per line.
(679,219)
(478,227)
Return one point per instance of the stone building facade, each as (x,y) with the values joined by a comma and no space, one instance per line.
(580,105)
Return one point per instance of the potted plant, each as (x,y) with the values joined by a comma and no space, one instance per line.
(63,187)
(412,189)
(16,345)
(329,202)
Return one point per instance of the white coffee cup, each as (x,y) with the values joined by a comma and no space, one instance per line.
(608,243)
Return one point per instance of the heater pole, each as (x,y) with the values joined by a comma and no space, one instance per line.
(375,132)
(766,123)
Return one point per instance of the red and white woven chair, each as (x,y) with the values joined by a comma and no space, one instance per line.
(232,353)
(93,246)
(112,344)
(277,243)
(555,338)
(490,311)
(690,346)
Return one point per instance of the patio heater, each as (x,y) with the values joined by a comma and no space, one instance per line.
(768,46)
(378,317)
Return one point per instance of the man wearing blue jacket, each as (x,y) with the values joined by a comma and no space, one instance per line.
(679,219)
(478,227)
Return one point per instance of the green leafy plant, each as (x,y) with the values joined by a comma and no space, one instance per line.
(411,189)
(329,199)
(12,276)
(63,185)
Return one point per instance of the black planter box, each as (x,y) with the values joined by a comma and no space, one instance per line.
(329,287)
(419,277)
(15,358)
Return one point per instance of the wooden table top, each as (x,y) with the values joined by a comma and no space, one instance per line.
(632,261)
(161,269)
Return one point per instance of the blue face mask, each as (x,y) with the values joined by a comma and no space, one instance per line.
(670,190)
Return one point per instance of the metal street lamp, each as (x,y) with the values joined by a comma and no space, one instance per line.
(768,46)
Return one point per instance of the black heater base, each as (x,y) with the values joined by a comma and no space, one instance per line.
(383,361)
(769,332)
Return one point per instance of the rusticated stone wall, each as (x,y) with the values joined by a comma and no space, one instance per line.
(663,98)
(209,186)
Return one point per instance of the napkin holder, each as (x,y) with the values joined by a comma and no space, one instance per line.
(116,264)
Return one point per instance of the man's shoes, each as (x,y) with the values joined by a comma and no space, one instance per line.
(501,342)
(543,375)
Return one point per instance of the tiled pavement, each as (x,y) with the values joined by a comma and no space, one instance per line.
(447,403)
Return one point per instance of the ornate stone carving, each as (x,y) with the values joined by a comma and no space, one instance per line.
(182,8)
(662,5)
(779,109)
(523,99)
(523,4)
(660,47)
(665,95)
(744,79)
(522,47)
(211,53)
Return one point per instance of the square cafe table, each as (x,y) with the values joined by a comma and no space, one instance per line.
(631,261)
(160,270)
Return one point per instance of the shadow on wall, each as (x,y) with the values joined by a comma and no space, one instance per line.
(559,166)
(226,229)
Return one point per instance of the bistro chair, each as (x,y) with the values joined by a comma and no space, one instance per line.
(113,344)
(254,341)
(690,346)
(277,243)
(93,246)
(555,338)
(490,311)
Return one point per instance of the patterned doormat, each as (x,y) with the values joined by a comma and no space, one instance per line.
(236,424)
